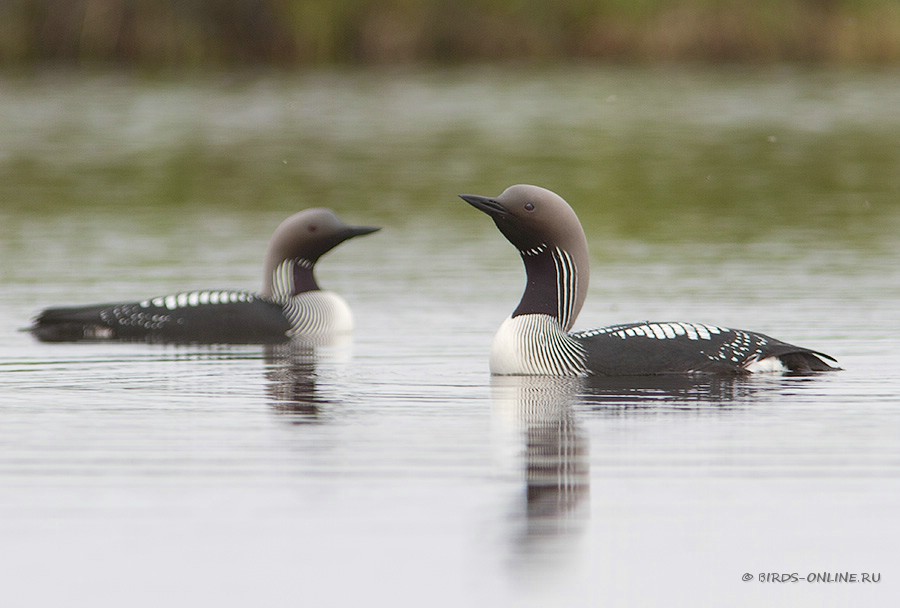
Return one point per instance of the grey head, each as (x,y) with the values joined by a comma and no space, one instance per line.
(296,246)
(551,241)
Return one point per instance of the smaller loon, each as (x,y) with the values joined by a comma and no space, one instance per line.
(537,338)
(290,303)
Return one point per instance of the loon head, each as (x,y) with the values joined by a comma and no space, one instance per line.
(301,240)
(551,241)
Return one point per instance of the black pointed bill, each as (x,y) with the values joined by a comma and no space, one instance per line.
(485,204)
(361,230)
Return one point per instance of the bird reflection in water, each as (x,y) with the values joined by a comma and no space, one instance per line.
(292,377)
(680,392)
(556,456)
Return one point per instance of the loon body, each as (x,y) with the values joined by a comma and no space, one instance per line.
(537,338)
(290,303)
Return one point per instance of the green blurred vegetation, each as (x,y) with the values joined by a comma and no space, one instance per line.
(200,33)
(687,153)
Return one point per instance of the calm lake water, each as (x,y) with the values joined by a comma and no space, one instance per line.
(391,469)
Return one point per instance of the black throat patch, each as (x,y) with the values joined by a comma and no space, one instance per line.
(540,295)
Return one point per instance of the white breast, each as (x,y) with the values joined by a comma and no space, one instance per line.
(535,345)
(318,312)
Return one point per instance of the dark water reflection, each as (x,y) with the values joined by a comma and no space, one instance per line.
(292,381)
(548,417)
(611,395)
(555,462)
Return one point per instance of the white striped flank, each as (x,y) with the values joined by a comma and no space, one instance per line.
(318,312)
(192,299)
(566,287)
(535,345)
(128,315)
(312,312)
(656,331)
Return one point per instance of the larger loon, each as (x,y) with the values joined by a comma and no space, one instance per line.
(536,339)
(290,303)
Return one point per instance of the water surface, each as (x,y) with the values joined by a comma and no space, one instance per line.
(390,468)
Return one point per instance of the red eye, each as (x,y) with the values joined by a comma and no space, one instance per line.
(529,206)
(312,228)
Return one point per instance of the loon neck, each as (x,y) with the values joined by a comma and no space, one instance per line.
(553,285)
(290,278)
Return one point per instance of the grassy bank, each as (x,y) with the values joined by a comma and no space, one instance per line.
(151,33)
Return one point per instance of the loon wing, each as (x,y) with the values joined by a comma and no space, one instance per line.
(209,317)
(677,348)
